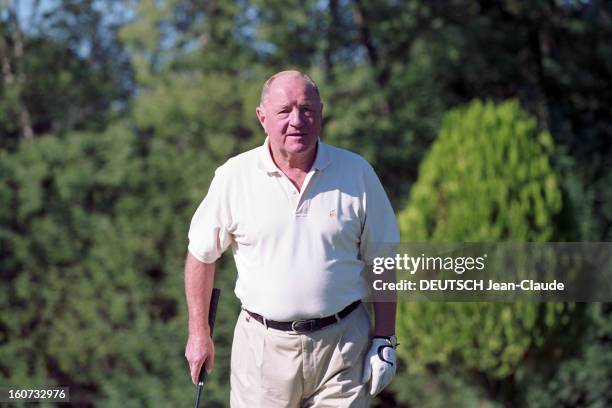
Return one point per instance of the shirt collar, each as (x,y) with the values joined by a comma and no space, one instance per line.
(322,159)
(265,161)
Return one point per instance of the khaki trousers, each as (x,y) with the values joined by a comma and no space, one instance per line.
(272,368)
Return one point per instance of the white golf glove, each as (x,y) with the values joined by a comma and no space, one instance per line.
(380,363)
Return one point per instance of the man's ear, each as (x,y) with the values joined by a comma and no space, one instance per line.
(261,115)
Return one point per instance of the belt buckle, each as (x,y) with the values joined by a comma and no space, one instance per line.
(303,326)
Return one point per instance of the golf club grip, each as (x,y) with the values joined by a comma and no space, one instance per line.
(212,313)
(212,310)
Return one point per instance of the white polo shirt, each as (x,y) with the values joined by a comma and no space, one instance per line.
(299,254)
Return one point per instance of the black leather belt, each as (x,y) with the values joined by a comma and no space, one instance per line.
(307,325)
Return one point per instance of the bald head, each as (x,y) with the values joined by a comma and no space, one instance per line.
(286,74)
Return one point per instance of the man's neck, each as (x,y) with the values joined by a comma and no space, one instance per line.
(294,163)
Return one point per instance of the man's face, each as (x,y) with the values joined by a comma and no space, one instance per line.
(291,116)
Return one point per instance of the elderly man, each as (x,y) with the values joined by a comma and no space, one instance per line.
(303,219)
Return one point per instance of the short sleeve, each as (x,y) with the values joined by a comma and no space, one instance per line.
(380,232)
(209,234)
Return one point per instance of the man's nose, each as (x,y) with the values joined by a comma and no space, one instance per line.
(295,118)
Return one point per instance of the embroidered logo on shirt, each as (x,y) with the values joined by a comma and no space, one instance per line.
(332,213)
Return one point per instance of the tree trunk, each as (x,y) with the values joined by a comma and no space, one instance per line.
(381,72)
(15,76)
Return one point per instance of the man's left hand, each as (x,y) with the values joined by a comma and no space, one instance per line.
(380,363)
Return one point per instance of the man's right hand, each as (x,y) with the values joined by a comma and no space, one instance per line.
(199,350)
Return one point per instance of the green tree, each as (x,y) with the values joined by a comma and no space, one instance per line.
(92,243)
(487,178)
(583,379)
(60,70)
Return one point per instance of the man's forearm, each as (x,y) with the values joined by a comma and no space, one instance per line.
(384,304)
(199,278)
(384,318)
